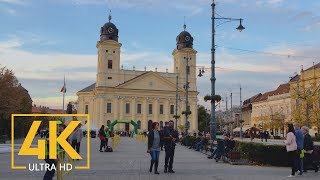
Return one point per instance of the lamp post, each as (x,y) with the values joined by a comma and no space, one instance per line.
(176,110)
(213,78)
(186,126)
(241,120)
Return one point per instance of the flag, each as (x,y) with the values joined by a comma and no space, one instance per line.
(64,88)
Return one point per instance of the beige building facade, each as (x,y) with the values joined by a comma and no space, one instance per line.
(141,96)
(272,110)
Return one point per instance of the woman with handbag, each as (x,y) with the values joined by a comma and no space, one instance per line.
(154,141)
(102,137)
(291,146)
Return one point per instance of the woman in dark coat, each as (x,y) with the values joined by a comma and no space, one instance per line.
(154,141)
(102,136)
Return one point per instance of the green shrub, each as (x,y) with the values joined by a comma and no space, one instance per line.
(187,141)
(317,139)
(257,153)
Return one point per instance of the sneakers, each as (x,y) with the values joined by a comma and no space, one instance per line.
(291,176)
(171,171)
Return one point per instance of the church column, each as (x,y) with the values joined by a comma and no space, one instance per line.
(115,108)
(144,123)
(133,110)
(121,115)
(167,110)
(102,110)
(94,110)
(156,110)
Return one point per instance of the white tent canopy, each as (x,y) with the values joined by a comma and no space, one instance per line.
(244,128)
(92,127)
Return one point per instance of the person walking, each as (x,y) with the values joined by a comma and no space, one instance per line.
(107,132)
(76,138)
(170,138)
(102,137)
(299,140)
(261,135)
(308,148)
(266,135)
(291,146)
(154,142)
(50,172)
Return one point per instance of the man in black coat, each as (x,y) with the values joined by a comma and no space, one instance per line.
(171,136)
(308,147)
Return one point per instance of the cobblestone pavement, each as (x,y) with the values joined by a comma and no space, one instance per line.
(130,162)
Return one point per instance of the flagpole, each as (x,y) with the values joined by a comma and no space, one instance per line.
(64,85)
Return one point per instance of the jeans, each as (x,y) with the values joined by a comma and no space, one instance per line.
(199,146)
(50,174)
(299,162)
(75,145)
(169,158)
(102,144)
(154,155)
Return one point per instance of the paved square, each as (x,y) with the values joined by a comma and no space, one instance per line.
(130,162)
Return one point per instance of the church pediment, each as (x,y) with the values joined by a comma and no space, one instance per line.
(149,81)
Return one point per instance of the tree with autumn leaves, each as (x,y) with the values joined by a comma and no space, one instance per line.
(306,106)
(14,99)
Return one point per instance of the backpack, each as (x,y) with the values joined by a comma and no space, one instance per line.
(108,149)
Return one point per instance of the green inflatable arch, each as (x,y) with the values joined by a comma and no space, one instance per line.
(135,125)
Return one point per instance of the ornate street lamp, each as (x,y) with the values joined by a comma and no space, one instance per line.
(213,78)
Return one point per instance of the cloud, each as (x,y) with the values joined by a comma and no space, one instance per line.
(42,73)
(53,102)
(10,44)
(185,5)
(7,10)
(13,2)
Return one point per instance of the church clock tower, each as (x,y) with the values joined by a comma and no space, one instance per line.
(108,56)
(184,52)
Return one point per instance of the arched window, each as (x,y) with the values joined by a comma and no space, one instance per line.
(149,125)
(108,123)
(161,124)
(139,124)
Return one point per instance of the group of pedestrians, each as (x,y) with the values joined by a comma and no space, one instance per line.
(264,135)
(223,148)
(300,148)
(168,136)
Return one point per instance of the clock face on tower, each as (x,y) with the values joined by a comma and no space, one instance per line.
(110,30)
(187,38)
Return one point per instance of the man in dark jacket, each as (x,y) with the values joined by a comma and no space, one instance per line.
(171,136)
(308,147)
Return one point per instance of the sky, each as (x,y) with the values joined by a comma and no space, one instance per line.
(41,41)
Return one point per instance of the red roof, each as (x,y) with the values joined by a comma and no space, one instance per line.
(315,66)
(37,110)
